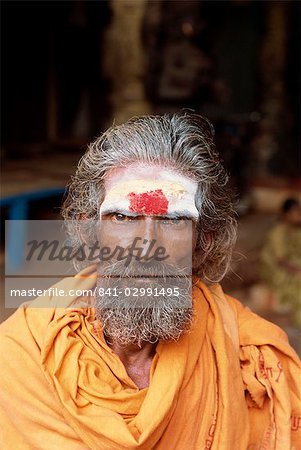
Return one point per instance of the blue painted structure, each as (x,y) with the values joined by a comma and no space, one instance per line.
(18,212)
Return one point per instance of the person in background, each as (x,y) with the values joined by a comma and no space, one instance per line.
(280,260)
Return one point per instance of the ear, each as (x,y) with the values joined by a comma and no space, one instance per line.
(205,247)
(87,229)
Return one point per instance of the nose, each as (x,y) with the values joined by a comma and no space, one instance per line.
(149,230)
(148,233)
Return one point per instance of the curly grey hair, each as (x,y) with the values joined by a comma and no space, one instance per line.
(182,141)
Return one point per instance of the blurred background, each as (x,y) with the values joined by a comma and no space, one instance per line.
(71,68)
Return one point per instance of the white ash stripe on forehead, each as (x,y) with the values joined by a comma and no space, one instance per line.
(179,190)
(170,188)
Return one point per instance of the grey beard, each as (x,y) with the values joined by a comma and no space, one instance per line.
(133,320)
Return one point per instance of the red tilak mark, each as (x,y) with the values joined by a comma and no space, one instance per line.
(152,202)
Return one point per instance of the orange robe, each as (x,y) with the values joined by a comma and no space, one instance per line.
(232,383)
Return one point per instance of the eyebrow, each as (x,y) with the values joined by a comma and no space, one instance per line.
(116,210)
(185,214)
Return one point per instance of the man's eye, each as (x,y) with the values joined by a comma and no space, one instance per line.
(174,222)
(117,217)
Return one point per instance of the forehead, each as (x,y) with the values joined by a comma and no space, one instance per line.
(149,190)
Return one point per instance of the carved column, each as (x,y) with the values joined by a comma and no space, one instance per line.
(124,62)
(273,100)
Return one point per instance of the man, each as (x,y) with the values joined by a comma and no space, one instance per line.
(158,357)
(281,260)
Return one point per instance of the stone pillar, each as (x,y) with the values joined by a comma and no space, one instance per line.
(273,105)
(124,62)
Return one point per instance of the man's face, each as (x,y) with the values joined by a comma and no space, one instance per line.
(147,220)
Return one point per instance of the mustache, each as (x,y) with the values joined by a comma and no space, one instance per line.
(153,269)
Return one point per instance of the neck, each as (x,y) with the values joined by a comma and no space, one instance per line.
(132,353)
(136,360)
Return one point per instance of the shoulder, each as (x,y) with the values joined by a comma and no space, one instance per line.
(255,330)
(27,326)
(265,346)
(21,337)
